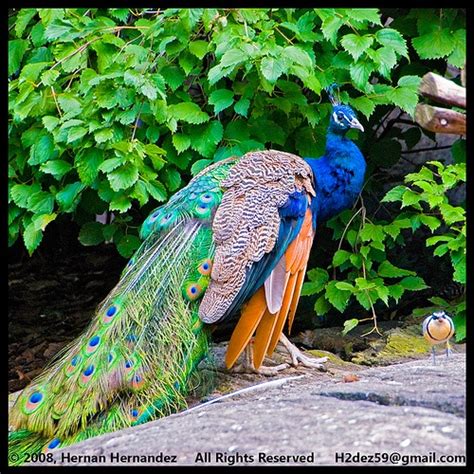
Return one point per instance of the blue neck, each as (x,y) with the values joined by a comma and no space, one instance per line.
(339,176)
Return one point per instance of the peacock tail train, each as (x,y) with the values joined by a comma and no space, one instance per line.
(135,360)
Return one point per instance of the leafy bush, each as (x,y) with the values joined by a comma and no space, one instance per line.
(367,274)
(113,110)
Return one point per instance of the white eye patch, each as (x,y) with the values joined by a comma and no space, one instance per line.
(340,121)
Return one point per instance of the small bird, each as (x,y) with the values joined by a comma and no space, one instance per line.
(438,327)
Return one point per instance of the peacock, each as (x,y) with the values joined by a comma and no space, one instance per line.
(231,245)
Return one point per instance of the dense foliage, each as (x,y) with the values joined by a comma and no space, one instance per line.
(113,110)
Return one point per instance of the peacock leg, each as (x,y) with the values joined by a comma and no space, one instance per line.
(297,357)
(247,367)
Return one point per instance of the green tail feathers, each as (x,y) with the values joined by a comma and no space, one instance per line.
(135,361)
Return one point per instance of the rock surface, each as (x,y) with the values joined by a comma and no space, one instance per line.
(385,413)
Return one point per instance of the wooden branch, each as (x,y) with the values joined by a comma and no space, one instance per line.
(440,120)
(442,90)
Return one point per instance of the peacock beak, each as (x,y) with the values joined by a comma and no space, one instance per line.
(356,124)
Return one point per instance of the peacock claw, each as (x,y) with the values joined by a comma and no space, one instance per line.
(297,357)
(247,366)
(268,371)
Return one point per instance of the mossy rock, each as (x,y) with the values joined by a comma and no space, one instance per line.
(398,344)
(332,358)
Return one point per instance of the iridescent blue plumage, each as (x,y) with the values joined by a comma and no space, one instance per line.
(339,173)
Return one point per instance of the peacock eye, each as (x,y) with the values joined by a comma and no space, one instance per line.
(340,116)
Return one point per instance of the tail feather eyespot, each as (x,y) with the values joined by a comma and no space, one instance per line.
(33,401)
(205,267)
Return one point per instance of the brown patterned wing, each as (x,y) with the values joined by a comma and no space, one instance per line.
(246,224)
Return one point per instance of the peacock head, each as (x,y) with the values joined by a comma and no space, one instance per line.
(342,119)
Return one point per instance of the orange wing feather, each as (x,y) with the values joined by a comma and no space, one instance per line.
(255,314)
(251,315)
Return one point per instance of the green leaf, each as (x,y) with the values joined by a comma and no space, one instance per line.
(32,237)
(360,73)
(173,76)
(198,48)
(410,198)
(458,260)
(104,135)
(349,324)
(199,165)
(396,291)
(241,107)
(188,112)
(69,105)
(42,150)
(74,133)
(58,168)
(452,214)
(338,298)
(87,163)
(322,306)
(120,203)
(387,269)
(221,99)
(232,57)
(272,68)
(340,257)
(392,39)
(50,122)
(365,105)
(385,59)
(356,45)
(21,193)
(413,283)
(458,151)
(181,142)
(436,44)
(172,179)
(395,194)
(432,222)
(16,49)
(67,197)
(127,245)
(48,78)
(42,220)
(41,202)
(123,177)
(344,285)
(411,82)
(383,293)
(458,57)
(404,97)
(37,35)
(372,232)
(330,26)
(298,56)
(364,14)
(23,17)
(157,190)
(110,164)
(91,233)
(459,321)
(205,138)
(318,279)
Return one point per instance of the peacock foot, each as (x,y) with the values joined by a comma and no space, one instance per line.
(297,357)
(247,366)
